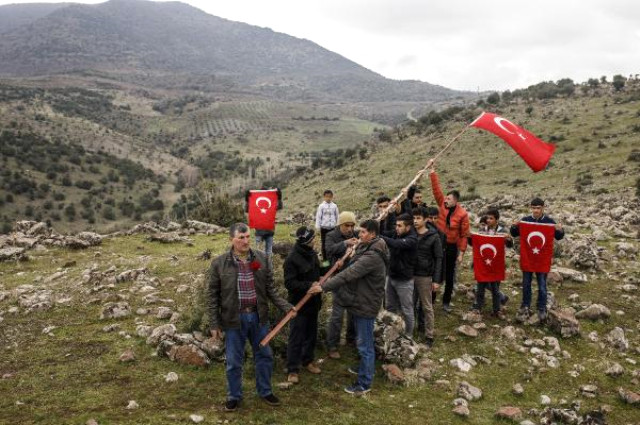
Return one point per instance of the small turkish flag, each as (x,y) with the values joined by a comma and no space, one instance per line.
(488,257)
(263,205)
(536,246)
(534,151)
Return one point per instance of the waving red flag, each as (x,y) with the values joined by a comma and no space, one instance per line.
(534,151)
(536,246)
(263,205)
(488,257)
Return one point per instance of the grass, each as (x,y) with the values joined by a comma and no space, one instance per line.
(75,374)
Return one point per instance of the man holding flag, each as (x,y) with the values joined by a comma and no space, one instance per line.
(536,233)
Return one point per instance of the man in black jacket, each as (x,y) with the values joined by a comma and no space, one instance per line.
(399,292)
(388,224)
(428,269)
(301,269)
(363,284)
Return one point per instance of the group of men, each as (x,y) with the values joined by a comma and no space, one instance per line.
(396,261)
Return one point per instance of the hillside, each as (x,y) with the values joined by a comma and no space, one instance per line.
(138,39)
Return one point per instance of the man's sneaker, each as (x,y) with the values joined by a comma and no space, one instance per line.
(446,308)
(499,315)
(542,315)
(293,378)
(353,370)
(271,400)
(429,342)
(334,354)
(312,368)
(524,311)
(231,405)
(356,389)
(504,299)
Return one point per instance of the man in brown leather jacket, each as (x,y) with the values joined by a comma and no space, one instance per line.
(240,283)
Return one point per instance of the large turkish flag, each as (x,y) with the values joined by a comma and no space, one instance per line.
(488,257)
(263,205)
(534,151)
(536,246)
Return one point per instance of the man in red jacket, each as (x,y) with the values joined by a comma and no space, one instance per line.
(454,222)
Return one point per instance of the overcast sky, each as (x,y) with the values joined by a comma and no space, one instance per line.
(461,44)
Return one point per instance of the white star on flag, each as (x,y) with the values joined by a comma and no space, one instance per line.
(263,210)
(487,262)
(536,251)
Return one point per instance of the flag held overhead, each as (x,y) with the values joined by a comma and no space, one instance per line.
(263,205)
(533,151)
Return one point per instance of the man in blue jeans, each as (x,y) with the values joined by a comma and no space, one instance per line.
(362,290)
(537,216)
(240,283)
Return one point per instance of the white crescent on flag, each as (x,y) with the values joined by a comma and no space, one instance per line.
(491,247)
(263,198)
(498,121)
(536,250)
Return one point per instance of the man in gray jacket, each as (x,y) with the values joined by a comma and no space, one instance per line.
(240,283)
(362,285)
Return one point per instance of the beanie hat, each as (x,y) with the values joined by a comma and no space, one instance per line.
(346,217)
(304,234)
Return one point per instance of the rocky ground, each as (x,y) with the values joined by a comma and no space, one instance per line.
(107,329)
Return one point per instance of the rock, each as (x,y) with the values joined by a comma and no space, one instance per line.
(92,239)
(594,312)
(626,249)
(467,330)
(462,365)
(614,370)
(132,405)
(168,238)
(111,328)
(171,377)
(91,422)
(392,344)
(128,356)
(461,410)
(426,368)
(589,391)
(472,316)
(573,298)
(460,402)
(115,310)
(517,389)
(161,332)
(593,336)
(394,374)
(545,400)
(164,313)
(214,348)
(584,253)
(142,311)
(617,339)
(570,274)
(509,332)
(12,254)
(188,355)
(479,326)
(563,321)
(629,397)
(196,418)
(468,391)
(509,413)
(284,385)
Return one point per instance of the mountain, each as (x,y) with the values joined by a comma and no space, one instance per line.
(137,37)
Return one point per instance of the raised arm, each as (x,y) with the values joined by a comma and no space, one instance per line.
(438,195)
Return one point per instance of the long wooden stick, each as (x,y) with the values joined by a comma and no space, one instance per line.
(306,298)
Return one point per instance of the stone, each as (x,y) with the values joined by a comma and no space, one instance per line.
(467,330)
(570,274)
(171,377)
(115,310)
(426,368)
(468,391)
(626,249)
(517,389)
(460,364)
(91,422)
(128,356)
(460,402)
(589,391)
(509,332)
(617,339)
(214,347)
(594,312)
(132,405)
(394,373)
(472,317)
(161,332)
(284,385)
(196,418)
(629,397)
(509,413)
(545,400)
(188,355)
(563,321)
(142,311)
(164,313)
(461,410)
(593,336)
(614,370)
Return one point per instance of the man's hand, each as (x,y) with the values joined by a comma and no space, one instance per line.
(558,226)
(431,165)
(460,255)
(339,263)
(294,311)
(435,287)
(315,289)
(216,333)
(351,242)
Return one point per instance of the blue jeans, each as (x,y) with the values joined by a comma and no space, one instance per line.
(364,341)
(262,356)
(527,277)
(496,297)
(268,243)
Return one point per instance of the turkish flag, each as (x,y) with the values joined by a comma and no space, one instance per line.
(488,257)
(534,151)
(263,205)
(536,246)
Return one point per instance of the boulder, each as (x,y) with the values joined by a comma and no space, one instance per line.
(629,397)
(614,370)
(570,274)
(594,312)
(394,374)
(467,331)
(115,310)
(617,339)
(563,322)
(12,254)
(509,413)
(468,391)
(188,355)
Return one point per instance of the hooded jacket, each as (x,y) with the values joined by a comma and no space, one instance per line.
(429,256)
(363,281)
(301,269)
(403,254)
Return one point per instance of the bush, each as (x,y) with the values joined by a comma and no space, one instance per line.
(108,213)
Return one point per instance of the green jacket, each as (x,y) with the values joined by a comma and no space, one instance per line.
(360,286)
(222,291)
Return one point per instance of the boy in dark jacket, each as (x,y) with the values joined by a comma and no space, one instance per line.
(301,269)
(388,224)
(537,216)
(399,291)
(428,268)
